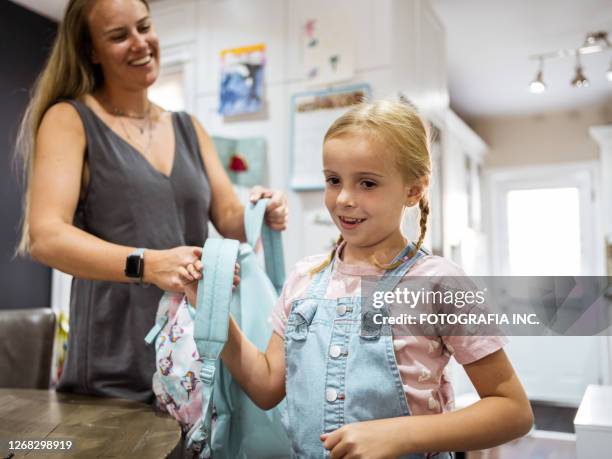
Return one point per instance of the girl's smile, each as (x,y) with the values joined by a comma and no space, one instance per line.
(349,223)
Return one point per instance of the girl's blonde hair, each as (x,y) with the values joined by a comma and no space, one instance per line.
(401,129)
(68,74)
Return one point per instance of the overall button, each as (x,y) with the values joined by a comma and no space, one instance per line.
(335,351)
(341,310)
(331,395)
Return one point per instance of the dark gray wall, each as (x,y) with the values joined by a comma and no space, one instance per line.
(25,41)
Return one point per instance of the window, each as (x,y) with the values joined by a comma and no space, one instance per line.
(544,221)
(169,90)
(544,232)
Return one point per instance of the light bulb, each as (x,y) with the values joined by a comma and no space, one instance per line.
(538,86)
(579,81)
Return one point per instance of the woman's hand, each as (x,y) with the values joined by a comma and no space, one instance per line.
(171,269)
(277,210)
(191,287)
(369,439)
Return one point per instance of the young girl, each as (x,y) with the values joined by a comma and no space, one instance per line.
(353,391)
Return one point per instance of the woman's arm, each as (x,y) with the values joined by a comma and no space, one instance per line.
(55,186)
(261,375)
(226,212)
(502,414)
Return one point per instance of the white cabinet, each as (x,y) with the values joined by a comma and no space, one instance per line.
(593,423)
(418,45)
(462,157)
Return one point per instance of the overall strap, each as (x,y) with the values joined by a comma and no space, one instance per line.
(388,282)
(393,277)
(320,281)
(254,227)
(212,315)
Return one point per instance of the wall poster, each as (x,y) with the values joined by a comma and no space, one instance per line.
(311,115)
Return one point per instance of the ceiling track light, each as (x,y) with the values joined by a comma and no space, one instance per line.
(579,81)
(595,42)
(537,86)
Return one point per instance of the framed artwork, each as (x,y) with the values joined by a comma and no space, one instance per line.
(242,75)
(312,113)
(244,160)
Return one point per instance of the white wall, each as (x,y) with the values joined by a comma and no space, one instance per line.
(205,27)
(555,137)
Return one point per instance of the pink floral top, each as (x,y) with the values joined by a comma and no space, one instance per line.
(421,359)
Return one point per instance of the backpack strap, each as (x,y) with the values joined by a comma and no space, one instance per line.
(254,227)
(160,323)
(211,321)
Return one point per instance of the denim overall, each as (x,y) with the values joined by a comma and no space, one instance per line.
(339,371)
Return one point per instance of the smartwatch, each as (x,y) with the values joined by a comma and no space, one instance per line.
(134,264)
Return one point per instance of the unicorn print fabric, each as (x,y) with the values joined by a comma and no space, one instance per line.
(180,394)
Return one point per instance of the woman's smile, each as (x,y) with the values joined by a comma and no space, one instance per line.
(142,61)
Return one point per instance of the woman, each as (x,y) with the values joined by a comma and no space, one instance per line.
(120,192)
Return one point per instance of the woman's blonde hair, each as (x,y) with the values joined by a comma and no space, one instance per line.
(68,74)
(400,128)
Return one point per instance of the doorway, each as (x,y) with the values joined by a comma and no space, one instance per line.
(544,222)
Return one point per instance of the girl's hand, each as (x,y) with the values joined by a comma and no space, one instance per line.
(277,210)
(191,287)
(369,439)
(169,269)
(191,292)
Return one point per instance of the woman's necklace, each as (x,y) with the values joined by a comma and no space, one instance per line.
(147,124)
(146,146)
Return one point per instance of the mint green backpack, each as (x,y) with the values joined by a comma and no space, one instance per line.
(238,428)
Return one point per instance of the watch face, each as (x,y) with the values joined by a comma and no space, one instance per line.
(132,266)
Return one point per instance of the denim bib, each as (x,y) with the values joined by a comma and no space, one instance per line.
(338,370)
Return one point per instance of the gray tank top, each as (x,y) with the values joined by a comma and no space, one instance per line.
(129,202)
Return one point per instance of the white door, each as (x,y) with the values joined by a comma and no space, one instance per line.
(544,223)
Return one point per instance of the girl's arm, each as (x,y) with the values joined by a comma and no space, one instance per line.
(261,375)
(502,414)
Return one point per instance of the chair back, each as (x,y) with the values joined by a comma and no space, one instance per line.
(26,347)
